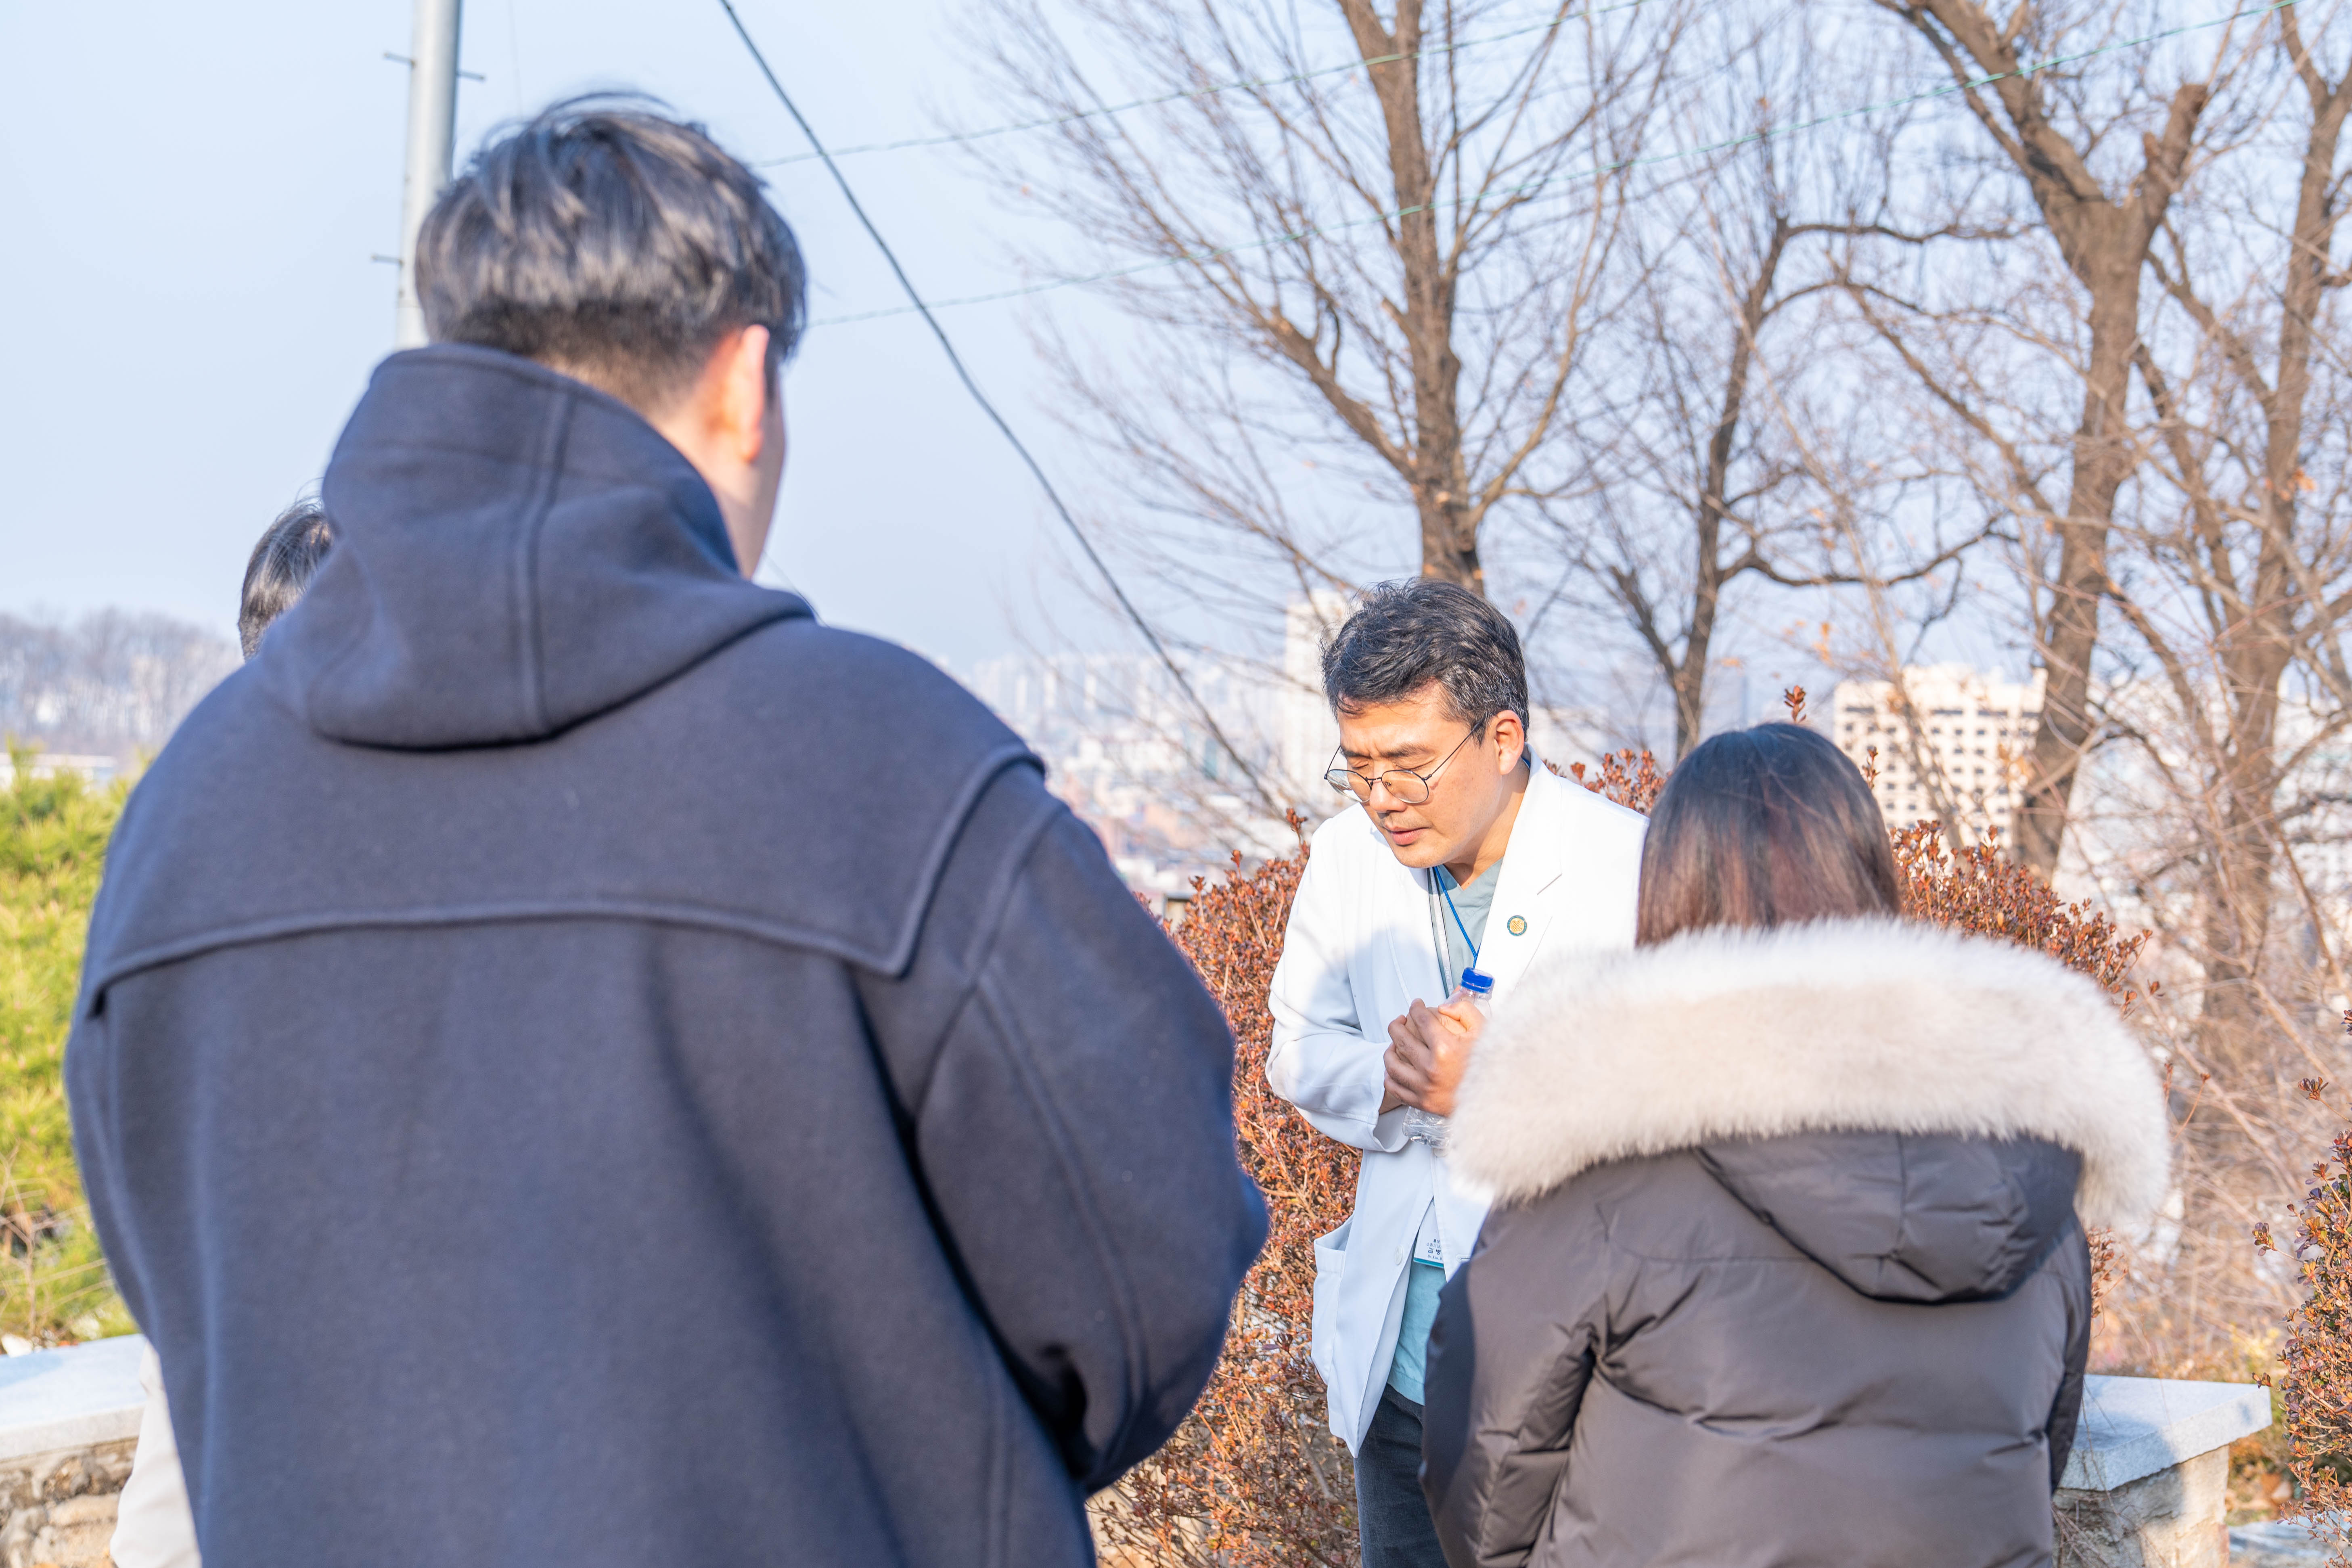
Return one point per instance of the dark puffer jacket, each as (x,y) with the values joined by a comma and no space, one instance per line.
(1785,1264)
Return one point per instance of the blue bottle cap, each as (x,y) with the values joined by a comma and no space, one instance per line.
(1476,983)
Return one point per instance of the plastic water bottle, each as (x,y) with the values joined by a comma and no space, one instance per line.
(1478,991)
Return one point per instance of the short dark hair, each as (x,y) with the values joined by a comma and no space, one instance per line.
(280,567)
(608,240)
(1408,634)
(1763,827)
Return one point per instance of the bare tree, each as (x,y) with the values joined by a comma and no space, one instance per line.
(2218,806)
(1707,445)
(2234,583)
(2050,133)
(1364,245)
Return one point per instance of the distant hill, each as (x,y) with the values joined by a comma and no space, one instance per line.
(114,683)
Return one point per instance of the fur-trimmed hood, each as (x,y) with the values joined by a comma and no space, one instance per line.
(1840,1026)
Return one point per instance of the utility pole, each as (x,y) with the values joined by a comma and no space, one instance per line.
(432,127)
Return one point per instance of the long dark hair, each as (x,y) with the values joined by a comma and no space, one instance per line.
(1761,827)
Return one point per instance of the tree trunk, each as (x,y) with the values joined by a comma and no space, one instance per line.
(2106,244)
(1441,484)
(2259,642)
(2070,629)
(1710,572)
(2238,906)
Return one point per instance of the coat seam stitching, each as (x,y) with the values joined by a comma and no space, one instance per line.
(534,911)
(534,632)
(1000,899)
(1016,1051)
(891,959)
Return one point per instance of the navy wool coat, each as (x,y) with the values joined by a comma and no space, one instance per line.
(581,1064)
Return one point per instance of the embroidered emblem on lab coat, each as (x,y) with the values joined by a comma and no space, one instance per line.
(1518,925)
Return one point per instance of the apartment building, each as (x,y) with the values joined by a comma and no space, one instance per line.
(1950,738)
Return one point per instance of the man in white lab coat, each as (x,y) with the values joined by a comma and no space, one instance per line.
(1462,852)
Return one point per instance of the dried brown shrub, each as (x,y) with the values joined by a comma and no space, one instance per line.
(1979,889)
(1254,1479)
(1630,778)
(2315,1363)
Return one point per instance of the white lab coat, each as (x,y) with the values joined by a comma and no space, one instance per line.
(1360,948)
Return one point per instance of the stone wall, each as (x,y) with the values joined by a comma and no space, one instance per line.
(68,1426)
(60,1506)
(2172,1518)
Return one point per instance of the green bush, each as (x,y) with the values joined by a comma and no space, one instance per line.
(53,832)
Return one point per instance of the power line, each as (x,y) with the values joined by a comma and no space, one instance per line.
(1598,171)
(1246,83)
(1216,731)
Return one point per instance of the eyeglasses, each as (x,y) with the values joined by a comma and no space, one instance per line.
(1405,786)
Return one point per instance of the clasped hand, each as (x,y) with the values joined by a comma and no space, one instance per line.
(1428,1050)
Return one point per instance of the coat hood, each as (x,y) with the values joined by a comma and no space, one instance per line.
(1904,1216)
(515,551)
(1974,1053)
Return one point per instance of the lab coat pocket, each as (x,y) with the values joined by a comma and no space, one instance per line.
(1330,1272)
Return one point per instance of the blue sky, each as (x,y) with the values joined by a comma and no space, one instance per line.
(192,197)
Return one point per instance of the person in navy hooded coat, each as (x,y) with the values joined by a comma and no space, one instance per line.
(579,1063)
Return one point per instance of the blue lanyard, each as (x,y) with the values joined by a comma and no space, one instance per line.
(1447,893)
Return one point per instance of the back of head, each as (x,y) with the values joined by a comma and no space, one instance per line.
(1763,827)
(612,243)
(281,566)
(1407,633)
(1849,1123)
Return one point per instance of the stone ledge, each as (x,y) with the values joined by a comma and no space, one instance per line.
(2132,1427)
(71,1398)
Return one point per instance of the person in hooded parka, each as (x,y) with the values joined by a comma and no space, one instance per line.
(1787,1262)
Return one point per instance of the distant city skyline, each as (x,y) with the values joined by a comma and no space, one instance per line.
(1951,737)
